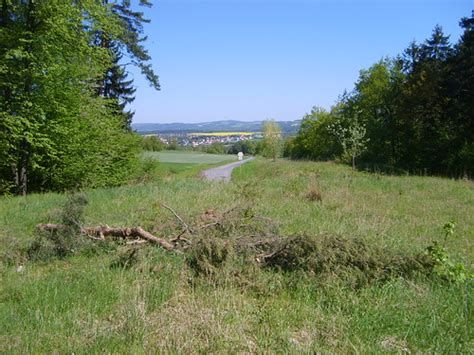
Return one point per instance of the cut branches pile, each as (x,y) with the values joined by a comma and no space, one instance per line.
(222,243)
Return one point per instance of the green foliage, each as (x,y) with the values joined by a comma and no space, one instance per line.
(152,144)
(416,110)
(444,267)
(55,132)
(113,84)
(271,144)
(248,147)
(353,140)
(66,241)
(215,148)
(314,139)
(173,145)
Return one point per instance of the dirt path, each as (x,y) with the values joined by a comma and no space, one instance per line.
(222,172)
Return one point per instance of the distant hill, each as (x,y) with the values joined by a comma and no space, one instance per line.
(287,127)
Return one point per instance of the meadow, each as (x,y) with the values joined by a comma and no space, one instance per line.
(86,303)
(188,157)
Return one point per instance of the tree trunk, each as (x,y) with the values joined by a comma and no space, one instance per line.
(22,179)
(353,162)
(21,168)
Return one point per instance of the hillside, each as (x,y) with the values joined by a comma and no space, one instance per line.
(288,127)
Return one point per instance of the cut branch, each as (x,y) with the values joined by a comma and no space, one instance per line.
(99,233)
(178,218)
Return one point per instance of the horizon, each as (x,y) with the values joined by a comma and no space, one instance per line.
(255,60)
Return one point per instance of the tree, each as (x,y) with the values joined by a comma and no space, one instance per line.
(461,106)
(411,113)
(244,146)
(55,133)
(424,126)
(129,43)
(314,140)
(152,143)
(353,139)
(271,139)
(118,90)
(374,103)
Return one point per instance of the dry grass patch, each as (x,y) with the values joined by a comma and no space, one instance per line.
(314,195)
(189,323)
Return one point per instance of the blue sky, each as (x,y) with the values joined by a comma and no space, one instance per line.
(257,59)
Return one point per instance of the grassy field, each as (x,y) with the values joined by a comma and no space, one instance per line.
(188,157)
(82,304)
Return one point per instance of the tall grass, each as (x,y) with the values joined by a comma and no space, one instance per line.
(82,304)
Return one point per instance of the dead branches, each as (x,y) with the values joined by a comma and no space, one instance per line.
(186,227)
(99,233)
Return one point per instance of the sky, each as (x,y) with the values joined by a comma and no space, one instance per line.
(258,59)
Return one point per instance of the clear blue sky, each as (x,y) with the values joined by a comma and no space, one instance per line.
(256,59)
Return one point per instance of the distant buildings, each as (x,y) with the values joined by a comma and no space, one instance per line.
(202,139)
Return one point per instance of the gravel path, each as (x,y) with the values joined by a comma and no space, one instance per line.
(222,172)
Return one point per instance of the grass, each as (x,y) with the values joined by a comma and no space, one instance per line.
(82,305)
(188,157)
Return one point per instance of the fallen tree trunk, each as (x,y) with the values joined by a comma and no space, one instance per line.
(100,233)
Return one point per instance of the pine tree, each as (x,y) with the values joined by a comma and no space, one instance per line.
(437,47)
(114,84)
(462,105)
(118,90)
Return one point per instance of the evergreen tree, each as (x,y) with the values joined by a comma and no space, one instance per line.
(461,108)
(425,126)
(114,84)
(118,90)
(437,47)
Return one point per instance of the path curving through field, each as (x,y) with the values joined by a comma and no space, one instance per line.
(223,172)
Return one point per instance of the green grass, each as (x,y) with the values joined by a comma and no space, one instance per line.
(82,305)
(188,157)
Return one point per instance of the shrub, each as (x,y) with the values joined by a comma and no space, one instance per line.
(314,195)
(65,241)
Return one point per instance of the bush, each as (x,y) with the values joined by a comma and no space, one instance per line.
(65,241)
(152,143)
(215,148)
(248,147)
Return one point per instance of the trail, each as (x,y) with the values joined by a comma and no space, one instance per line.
(224,172)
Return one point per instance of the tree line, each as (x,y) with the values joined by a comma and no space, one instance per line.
(412,113)
(64,91)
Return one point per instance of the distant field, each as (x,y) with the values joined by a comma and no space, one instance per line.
(221,134)
(171,156)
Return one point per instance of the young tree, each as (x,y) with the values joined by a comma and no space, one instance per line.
(271,139)
(352,138)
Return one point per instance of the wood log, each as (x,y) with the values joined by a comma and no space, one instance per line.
(103,231)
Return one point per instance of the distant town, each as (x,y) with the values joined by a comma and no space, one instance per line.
(197,139)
